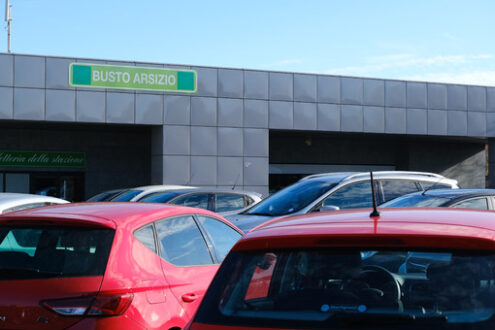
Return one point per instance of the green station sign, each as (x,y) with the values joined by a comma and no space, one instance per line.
(132,77)
(42,159)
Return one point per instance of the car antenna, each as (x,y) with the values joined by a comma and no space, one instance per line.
(236,180)
(431,186)
(375,212)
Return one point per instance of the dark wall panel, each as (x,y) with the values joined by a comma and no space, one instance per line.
(461,159)
(116,156)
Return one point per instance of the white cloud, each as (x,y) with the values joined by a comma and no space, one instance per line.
(441,68)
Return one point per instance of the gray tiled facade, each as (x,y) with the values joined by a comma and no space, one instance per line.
(219,135)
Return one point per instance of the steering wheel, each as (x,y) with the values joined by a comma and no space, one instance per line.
(380,278)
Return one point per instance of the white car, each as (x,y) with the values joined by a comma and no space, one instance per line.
(221,201)
(135,194)
(15,201)
(337,191)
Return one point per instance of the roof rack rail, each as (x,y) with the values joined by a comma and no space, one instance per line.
(366,174)
(317,175)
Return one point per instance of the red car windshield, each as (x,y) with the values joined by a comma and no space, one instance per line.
(35,252)
(342,288)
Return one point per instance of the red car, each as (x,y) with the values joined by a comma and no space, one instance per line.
(108,265)
(403,269)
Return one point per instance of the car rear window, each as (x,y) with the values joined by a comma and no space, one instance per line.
(335,289)
(29,252)
(229,202)
(417,200)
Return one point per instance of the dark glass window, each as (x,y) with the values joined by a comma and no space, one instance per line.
(475,203)
(44,252)
(145,235)
(353,196)
(126,196)
(417,200)
(195,200)
(430,185)
(181,242)
(395,188)
(159,197)
(229,202)
(222,235)
(293,198)
(319,288)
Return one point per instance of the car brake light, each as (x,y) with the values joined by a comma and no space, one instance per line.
(104,305)
(110,305)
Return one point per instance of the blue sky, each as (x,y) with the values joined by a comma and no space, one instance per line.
(442,40)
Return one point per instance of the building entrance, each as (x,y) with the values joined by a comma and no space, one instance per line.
(295,154)
(65,185)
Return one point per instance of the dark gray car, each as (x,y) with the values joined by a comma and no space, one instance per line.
(481,199)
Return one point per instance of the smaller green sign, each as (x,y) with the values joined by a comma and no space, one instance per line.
(132,77)
(42,159)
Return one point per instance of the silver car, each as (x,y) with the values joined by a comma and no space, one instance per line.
(15,201)
(222,201)
(337,191)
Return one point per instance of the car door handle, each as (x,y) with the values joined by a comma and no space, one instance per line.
(189,297)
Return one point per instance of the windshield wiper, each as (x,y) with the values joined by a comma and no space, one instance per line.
(259,213)
(355,317)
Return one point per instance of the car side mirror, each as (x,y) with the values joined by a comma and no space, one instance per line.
(329,208)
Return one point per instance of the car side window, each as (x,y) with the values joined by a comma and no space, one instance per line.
(228,202)
(353,196)
(430,185)
(222,235)
(395,188)
(145,235)
(193,200)
(248,201)
(182,243)
(475,203)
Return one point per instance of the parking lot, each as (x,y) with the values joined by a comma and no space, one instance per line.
(247,165)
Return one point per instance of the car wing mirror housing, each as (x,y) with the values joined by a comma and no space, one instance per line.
(329,208)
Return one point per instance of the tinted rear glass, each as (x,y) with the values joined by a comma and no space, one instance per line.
(46,252)
(339,289)
(417,200)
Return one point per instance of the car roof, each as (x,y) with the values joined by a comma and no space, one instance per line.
(412,175)
(164,187)
(105,214)
(455,193)
(8,200)
(211,190)
(392,223)
(333,176)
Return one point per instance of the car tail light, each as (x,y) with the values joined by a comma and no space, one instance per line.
(104,305)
